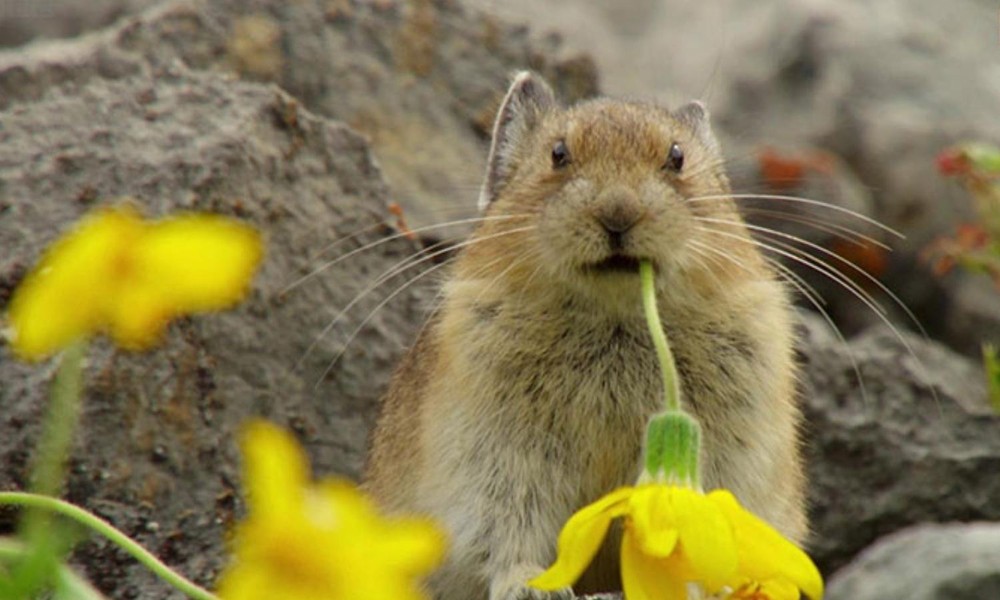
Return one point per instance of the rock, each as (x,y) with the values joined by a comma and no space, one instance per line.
(971,317)
(911,447)
(925,562)
(27,20)
(157,438)
(422,79)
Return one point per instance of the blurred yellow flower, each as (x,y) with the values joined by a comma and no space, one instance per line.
(324,540)
(119,274)
(675,536)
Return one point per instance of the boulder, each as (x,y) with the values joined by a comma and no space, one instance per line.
(155,452)
(910,446)
(421,79)
(925,562)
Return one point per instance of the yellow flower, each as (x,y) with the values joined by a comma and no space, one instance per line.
(675,536)
(312,541)
(119,274)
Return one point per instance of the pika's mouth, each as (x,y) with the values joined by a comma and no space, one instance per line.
(616,263)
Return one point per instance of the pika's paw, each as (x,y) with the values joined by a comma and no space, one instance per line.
(513,585)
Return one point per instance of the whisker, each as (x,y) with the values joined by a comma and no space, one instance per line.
(809,260)
(797,255)
(803,286)
(514,263)
(395,293)
(807,201)
(702,251)
(384,240)
(868,276)
(715,255)
(373,312)
(818,303)
(404,265)
(834,229)
(439,297)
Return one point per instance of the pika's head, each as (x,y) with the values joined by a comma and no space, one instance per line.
(606,183)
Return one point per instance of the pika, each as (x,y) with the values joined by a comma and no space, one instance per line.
(527,394)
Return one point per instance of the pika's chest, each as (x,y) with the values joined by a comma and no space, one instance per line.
(565,371)
(582,374)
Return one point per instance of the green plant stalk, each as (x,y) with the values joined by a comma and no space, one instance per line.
(671,383)
(673,437)
(68,586)
(45,544)
(108,530)
(64,410)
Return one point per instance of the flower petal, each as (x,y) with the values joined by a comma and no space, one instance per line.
(580,539)
(764,553)
(198,262)
(138,316)
(414,546)
(655,525)
(643,576)
(319,541)
(65,297)
(706,538)
(276,471)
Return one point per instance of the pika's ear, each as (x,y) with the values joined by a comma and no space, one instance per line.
(695,115)
(528,98)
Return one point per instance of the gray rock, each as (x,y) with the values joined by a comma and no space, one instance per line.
(925,562)
(157,438)
(27,20)
(971,316)
(421,79)
(911,448)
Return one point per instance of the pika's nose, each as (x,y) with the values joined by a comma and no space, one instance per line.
(617,213)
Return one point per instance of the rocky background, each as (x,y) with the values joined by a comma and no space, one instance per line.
(311,118)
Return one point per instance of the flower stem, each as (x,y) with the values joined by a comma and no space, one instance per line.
(64,410)
(671,383)
(45,544)
(106,529)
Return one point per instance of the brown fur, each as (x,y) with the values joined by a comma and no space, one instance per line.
(527,396)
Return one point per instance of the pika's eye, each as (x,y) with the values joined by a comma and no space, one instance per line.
(560,155)
(675,159)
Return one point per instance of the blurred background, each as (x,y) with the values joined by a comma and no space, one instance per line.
(868,130)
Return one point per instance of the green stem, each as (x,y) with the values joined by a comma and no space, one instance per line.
(64,410)
(106,529)
(45,543)
(671,383)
